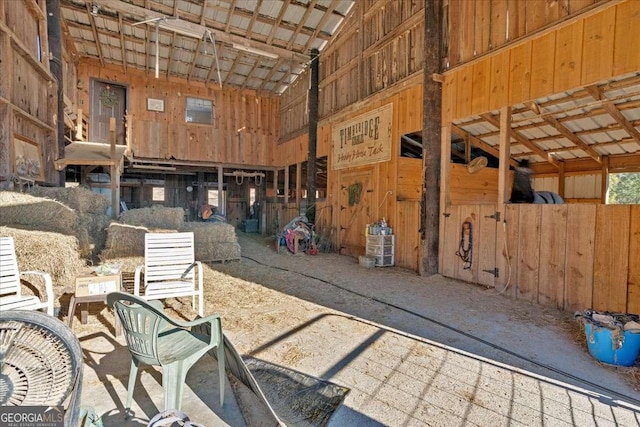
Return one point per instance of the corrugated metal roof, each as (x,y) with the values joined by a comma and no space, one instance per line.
(277,34)
(584,123)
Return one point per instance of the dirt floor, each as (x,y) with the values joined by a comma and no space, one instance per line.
(321,314)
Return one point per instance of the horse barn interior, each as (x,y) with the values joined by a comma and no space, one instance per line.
(348,112)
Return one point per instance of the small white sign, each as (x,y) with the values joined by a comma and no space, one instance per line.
(155,104)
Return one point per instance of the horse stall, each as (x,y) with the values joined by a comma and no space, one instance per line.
(568,256)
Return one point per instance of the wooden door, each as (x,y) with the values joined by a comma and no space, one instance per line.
(107,100)
(469,246)
(355,211)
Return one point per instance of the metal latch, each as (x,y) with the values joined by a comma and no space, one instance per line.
(495,272)
(496,216)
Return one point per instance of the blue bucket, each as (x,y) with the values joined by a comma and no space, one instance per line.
(606,346)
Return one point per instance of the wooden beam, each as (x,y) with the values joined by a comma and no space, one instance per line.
(191,27)
(604,176)
(95,33)
(123,51)
(617,164)
(611,108)
(564,131)
(479,143)
(520,138)
(505,154)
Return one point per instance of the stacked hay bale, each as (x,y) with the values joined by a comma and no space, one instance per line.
(212,241)
(91,208)
(53,253)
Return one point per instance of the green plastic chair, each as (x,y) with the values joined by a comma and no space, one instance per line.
(155,339)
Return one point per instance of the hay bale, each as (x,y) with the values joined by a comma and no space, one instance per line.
(211,232)
(214,241)
(218,251)
(154,217)
(123,241)
(79,198)
(36,213)
(53,253)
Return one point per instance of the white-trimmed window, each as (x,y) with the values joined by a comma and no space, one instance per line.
(199,110)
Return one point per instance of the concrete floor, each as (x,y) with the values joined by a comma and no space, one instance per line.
(425,351)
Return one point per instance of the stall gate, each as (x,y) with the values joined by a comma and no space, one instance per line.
(571,256)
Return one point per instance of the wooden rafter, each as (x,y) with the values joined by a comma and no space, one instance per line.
(478,143)
(550,119)
(300,25)
(95,33)
(271,73)
(195,60)
(521,139)
(235,64)
(276,25)
(610,107)
(256,12)
(170,55)
(123,51)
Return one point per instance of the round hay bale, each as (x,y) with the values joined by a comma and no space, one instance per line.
(154,217)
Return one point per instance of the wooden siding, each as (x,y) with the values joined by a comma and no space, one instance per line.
(580,52)
(476,28)
(553,255)
(245,126)
(28,91)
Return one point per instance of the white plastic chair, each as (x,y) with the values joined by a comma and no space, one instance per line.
(11,297)
(170,269)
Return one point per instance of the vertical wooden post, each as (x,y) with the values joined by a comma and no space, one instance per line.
(505,154)
(54,36)
(561,177)
(275,184)
(604,179)
(286,185)
(222,208)
(6,113)
(313,136)
(445,191)
(114,172)
(298,187)
(431,146)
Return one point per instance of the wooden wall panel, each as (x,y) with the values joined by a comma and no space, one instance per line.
(568,56)
(466,29)
(536,15)
(481,29)
(552,255)
(484,251)
(409,179)
(580,257)
(499,85)
(598,46)
(520,73)
(507,250)
(611,261)
(626,60)
(499,21)
(449,93)
(542,66)
(527,274)
(481,86)
(633,294)
(244,129)
(408,227)
(451,239)
(463,90)
(478,188)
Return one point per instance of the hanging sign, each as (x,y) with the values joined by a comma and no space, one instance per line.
(363,140)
